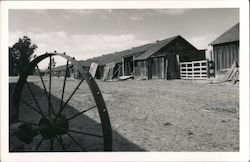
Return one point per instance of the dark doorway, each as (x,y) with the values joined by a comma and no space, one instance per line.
(128,65)
(172,67)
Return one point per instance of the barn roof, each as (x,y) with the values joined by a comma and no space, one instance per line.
(141,52)
(138,50)
(117,56)
(230,35)
(154,47)
(101,60)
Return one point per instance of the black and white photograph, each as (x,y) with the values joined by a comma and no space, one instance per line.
(124,80)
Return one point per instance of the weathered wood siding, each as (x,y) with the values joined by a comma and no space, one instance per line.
(225,55)
(158,68)
(99,72)
(192,56)
(164,64)
(173,71)
(141,69)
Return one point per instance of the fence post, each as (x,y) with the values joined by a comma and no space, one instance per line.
(208,69)
(123,67)
(192,70)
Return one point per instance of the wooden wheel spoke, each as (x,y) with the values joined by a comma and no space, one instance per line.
(32,94)
(64,83)
(81,132)
(85,133)
(60,142)
(73,139)
(71,95)
(45,89)
(74,116)
(51,143)
(28,122)
(31,106)
(39,144)
(50,108)
(40,75)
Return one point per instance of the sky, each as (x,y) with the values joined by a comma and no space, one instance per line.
(87,33)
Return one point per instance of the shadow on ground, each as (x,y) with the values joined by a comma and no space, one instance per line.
(88,122)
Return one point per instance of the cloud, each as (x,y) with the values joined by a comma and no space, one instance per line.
(80,12)
(131,15)
(33,11)
(41,12)
(135,18)
(88,14)
(202,41)
(171,11)
(79,46)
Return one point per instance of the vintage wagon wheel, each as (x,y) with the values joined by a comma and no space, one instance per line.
(52,125)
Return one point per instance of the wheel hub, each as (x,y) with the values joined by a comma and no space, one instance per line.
(51,127)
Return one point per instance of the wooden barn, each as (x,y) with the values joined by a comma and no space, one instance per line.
(226,49)
(108,66)
(160,60)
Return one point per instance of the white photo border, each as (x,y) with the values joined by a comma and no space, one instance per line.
(242,155)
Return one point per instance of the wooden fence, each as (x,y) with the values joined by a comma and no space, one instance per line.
(194,70)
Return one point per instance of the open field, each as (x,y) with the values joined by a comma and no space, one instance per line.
(161,115)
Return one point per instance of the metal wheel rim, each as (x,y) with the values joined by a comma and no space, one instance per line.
(100,104)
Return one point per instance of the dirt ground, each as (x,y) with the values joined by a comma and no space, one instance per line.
(159,115)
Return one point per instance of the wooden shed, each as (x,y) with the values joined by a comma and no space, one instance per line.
(104,63)
(226,49)
(160,60)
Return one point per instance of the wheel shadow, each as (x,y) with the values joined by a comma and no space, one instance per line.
(88,122)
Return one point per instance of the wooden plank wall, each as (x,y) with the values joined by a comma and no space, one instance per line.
(158,68)
(225,55)
(173,67)
(141,70)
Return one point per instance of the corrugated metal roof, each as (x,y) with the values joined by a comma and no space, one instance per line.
(230,35)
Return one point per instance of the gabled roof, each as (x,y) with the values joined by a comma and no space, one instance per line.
(230,35)
(117,56)
(138,50)
(101,60)
(141,52)
(154,47)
